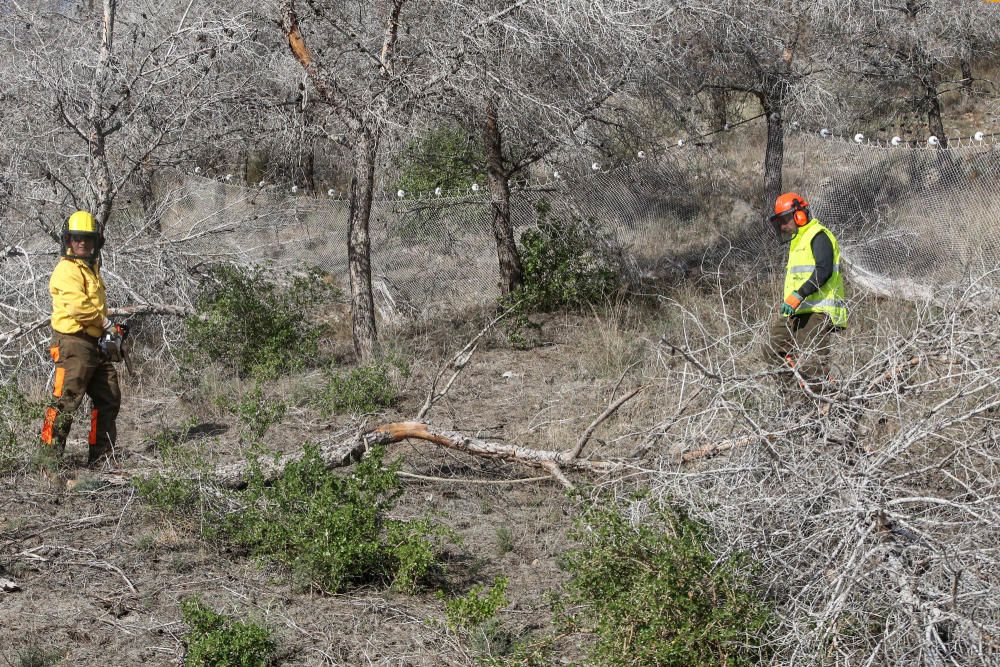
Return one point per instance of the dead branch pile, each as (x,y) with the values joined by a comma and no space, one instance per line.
(871,509)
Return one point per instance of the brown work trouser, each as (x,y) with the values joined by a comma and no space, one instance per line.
(80,369)
(805,342)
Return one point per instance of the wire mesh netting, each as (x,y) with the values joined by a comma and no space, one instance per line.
(912,221)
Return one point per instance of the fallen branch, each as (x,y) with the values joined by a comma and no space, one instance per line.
(557,474)
(339,455)
(611,409)
(398,431)
(138,309)
(459,480)
(457,363)
(342,454)
(152,309)
(724,446)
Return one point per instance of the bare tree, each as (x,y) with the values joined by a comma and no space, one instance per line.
(124,90)
(912,52)
(538,78)
(377,62)
(773,50)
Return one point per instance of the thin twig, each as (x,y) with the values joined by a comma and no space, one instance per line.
(611,409)
(457,363)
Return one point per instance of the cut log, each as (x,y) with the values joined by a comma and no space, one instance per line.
(338,455)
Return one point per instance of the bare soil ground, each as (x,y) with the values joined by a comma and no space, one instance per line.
(102,575)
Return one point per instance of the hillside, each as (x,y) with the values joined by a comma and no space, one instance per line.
(875,498)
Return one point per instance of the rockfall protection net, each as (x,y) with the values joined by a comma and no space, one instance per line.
(912,221)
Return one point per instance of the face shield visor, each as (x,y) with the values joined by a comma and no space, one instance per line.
(779,220)
(81,245)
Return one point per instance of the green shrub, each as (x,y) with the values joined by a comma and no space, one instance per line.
(360,390)
(334,531)
(170,492)
(18,418)
(38,656)
(253,325)
(655,594)
(474,617)
(176,489)
(167,440)
(256,413)
(567,265)
(216,640)
(505,540)
(448,158)
(474,609)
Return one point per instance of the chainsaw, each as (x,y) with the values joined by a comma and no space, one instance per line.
(112,345)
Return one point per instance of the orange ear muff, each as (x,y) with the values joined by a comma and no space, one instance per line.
(801,218)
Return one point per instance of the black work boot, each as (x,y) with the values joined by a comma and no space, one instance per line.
(98,455)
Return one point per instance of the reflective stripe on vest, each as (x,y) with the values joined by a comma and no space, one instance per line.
(809,268)
(830,298)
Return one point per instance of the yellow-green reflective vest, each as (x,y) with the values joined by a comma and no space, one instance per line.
(830,298)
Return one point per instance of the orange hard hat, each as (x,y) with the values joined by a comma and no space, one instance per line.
(792,204)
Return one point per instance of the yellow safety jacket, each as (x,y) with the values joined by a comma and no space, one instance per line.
(78,299)
(830,297)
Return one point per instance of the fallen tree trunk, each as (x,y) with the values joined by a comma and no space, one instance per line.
(347,452)
(338,455)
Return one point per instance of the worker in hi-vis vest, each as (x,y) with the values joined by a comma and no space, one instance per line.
(79,318)
(814,306)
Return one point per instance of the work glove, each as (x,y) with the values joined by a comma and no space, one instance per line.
(108,325)
(792,301)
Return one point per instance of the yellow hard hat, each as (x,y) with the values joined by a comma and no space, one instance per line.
(81,222)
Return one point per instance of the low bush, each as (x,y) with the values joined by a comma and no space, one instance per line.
(255,413)
(18,418)
(360,390)
(171,492)
(38,656)
(176,488)
(474,616)
(475,608)
(247,322)
(448,158)
(655,594)
(568,264)
(216,640)
(332,531)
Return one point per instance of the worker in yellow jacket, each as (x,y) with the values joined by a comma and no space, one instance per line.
(79,317)
(814,306)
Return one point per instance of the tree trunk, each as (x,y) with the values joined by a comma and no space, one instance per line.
(511,271)
(775,154)
(933,104)
(967,77)
(359,245)
(309,167)
(720,108)
(99,173)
